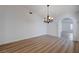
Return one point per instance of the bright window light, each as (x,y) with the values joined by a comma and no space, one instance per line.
(71,26)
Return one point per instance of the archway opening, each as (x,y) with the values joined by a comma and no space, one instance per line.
(67,29)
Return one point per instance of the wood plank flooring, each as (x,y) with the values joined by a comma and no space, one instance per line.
(76,46)
(41,44)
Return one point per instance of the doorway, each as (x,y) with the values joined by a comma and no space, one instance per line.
(67,27)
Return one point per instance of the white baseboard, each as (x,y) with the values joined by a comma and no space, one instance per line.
(6,42)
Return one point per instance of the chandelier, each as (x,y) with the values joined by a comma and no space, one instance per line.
(48,18)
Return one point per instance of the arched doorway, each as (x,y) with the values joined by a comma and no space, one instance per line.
(67,28)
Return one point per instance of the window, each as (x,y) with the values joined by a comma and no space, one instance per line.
(71,26)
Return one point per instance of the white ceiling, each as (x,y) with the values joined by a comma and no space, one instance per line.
(55,10)
(41,10)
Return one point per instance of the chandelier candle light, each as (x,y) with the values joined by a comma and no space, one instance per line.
(48,19)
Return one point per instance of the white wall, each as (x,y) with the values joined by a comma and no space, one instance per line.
(52,28)
(16,24)
(77,17)
(2,25)
(77,31)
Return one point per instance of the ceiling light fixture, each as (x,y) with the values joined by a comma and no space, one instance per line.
(48,19)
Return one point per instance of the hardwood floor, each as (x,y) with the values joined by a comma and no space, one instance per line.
(76,46)
(42,44)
